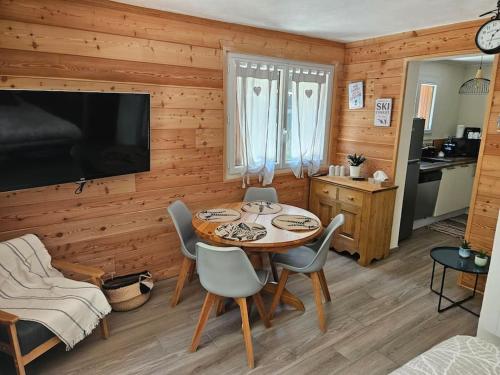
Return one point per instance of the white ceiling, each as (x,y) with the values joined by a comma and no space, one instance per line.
(341,20)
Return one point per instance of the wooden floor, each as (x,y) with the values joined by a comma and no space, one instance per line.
(380,317)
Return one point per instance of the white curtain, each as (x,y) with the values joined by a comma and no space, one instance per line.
(306,135)
(257,100)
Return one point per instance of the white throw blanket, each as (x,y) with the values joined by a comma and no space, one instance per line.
(33,290)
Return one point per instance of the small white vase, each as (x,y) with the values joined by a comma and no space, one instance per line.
(354,171)
(342,171)
(331,170)
(480,262)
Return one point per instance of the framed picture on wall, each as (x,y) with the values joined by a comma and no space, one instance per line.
(383,109)
(356,95)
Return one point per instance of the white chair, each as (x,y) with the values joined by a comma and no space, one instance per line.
(309,260)
(261,194)
(226,272)
(181,217)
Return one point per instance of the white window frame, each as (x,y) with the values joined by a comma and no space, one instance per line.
(428,125)
(233,171)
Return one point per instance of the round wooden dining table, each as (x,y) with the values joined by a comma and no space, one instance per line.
(275,241)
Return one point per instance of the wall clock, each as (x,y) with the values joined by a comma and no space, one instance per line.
(488,35)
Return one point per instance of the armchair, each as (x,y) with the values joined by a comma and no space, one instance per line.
(26,340)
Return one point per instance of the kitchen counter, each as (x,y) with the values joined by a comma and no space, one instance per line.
(449,161)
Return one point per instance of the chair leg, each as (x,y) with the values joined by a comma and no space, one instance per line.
(104,328)
(249,306)
(324,286)
(186,264)
(15,349)
(221,307)
(279,291)
(273,267)
(192,271)
(261,309)
(247,334)
(202,321)
(317,298)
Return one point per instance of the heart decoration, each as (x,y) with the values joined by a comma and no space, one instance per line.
(257,90)
(308,93)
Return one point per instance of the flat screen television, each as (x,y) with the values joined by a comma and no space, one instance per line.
(54,137)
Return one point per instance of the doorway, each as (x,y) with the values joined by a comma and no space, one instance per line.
(444,106)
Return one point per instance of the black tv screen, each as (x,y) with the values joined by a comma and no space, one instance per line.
(54,137)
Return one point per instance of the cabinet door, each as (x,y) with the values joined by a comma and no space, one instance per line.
(325,209)
(326,202)
(455,189)
(348,234)
(468,171)
(322,201)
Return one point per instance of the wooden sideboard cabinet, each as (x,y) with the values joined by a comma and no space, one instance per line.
(368,211)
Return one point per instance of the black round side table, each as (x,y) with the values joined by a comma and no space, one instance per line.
(448,257)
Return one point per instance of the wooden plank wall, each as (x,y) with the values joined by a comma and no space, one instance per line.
(120,223)
(485,203)
(380,63)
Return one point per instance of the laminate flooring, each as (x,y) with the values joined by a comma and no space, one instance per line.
(380,317)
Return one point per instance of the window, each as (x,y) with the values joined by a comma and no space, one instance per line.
(425,103)
(278,115)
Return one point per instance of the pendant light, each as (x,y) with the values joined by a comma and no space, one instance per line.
(477,85)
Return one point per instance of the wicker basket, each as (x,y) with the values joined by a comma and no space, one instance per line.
(128,292)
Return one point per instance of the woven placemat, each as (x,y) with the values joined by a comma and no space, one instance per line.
(218,215)
(261,207)
(295,223)
(241,231)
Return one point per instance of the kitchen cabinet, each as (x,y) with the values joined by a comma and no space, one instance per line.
(368,211)
(455,188)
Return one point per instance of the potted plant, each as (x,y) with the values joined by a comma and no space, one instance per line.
(481,258)
(464,249)
(355,162)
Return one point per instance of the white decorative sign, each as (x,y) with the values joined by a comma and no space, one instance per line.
(383,108)
(356,95)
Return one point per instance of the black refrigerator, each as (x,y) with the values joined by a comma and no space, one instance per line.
(412,174)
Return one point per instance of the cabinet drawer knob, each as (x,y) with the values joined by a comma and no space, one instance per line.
(350,198)
(325,191)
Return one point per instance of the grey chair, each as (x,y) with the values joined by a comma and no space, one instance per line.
(226,272)
(181,216)
(308,260)
(261,194)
